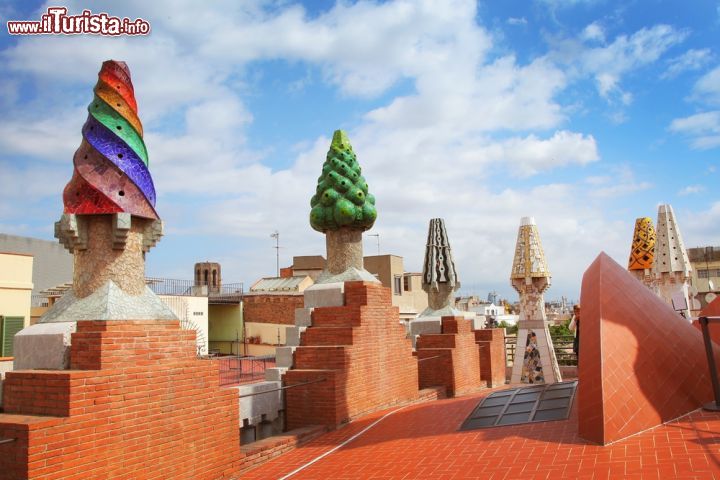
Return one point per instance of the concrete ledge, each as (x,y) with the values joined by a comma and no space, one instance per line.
(274,374)
(325,295)
(421,326)
(44,346)
(292,336)
(257,408)
(6,365)
(303,317)
(284,356)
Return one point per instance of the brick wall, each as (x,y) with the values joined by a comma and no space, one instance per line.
(360,351)
(277,309)
(137,404)
(491,347)
(456,364)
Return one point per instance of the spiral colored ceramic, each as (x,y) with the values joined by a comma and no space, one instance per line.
(111,166)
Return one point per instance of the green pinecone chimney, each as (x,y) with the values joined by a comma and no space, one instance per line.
(341,198)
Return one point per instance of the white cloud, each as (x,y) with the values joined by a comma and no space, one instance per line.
(515,21)
(707,88)
(530,155)
(607,64)
(52,138)
(702,128)
(556,4)
(593,32)
(622,182)
(441,148)
(408,38)
(691,190)
(700,228)
(691,60)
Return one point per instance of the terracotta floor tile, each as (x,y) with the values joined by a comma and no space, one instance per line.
(423,442)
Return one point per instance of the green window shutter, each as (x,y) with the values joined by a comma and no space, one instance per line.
(10,326)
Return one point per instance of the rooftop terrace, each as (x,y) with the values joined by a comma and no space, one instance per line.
(424,441)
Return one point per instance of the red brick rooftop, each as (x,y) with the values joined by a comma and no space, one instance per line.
(423,441)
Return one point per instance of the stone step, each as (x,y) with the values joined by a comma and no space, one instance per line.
(303,317)
(292,336)
(284,357)
(325,295)
(275,374)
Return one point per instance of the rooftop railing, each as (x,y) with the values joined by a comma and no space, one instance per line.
(226,293)
(235,370)
(562,344)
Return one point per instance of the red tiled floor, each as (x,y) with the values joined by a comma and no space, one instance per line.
(422,441)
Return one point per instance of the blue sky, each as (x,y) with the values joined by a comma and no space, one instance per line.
(585,114)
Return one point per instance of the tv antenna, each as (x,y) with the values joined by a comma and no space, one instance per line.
(276,236)
(377,236)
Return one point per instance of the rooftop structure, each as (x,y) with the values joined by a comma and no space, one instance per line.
(109,222)
(642,251)
(110,348)
(440,279)
(705,276)
(52,264)
(530,276)
(281,285)
(671,267)
(342,208)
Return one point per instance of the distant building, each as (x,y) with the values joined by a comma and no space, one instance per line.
(268,308)
(52,264)
(465,304)
(407,292)
(269,305)
(484,311)
(406,287)
(15,293)
(705,273)
(193,313)
(310,265)
(208,274)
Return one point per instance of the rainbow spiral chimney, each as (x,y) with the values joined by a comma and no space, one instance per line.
(111,166)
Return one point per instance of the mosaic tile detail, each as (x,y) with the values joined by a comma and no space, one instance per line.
(532,370)
(439,266)
(643,245)
(670,253)
(529,260)
(111,166)
(342,199)
(111,181)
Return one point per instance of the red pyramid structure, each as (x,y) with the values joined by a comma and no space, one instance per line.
(639,366)
(712,309)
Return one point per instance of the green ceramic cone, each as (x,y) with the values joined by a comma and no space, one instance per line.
(341,198)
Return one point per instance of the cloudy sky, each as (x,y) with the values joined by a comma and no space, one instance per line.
(585,114)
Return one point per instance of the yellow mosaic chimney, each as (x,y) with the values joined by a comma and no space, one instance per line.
(643,245)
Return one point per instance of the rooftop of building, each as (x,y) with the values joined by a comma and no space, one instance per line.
(704,254)
(424,441)
(280,284)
